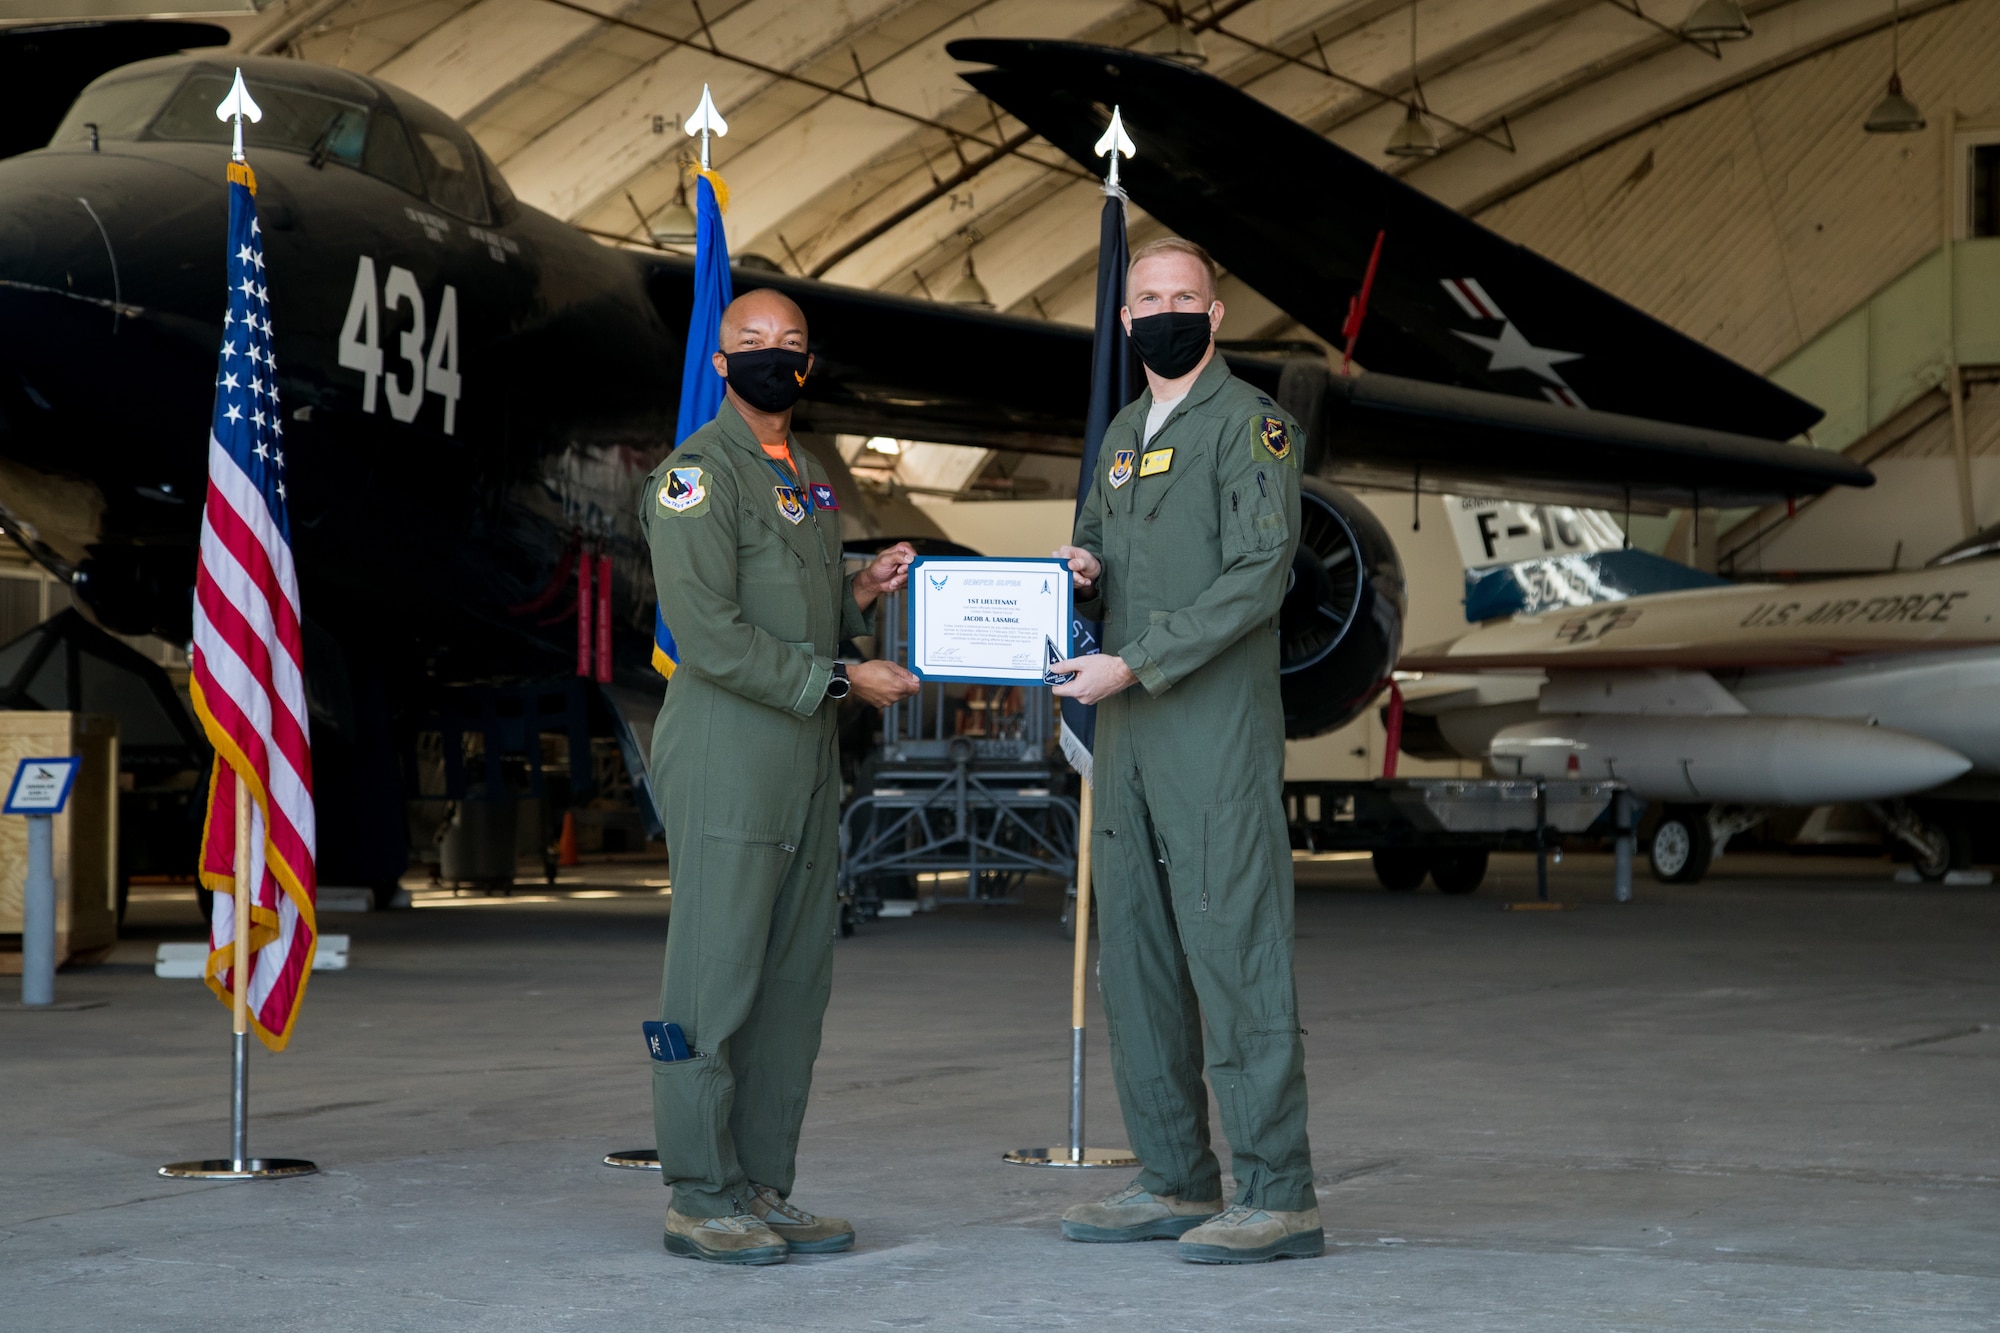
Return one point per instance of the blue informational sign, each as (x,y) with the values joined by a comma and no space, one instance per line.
(41,786)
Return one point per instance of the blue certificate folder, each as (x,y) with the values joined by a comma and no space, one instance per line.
(998,621)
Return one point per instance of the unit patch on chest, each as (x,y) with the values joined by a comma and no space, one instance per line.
(682,490)
(823,496)
(1156,460)
(789,505)
(1275,437)
(1121,467)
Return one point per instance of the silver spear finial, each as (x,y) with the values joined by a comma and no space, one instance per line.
(237,105)
(1114,142)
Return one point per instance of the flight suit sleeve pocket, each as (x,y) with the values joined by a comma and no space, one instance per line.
(1257,513)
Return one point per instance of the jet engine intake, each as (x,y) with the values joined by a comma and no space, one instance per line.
(1341,626)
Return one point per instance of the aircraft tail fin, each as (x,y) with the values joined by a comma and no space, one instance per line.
(1524,558)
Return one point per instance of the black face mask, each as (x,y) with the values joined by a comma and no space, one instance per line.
(770,379)
(1173,343)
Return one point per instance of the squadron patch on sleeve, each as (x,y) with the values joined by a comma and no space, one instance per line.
(1121,467)
(682,490)
(1275,437)
(789,505)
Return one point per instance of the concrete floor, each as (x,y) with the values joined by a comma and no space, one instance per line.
(1768,1102)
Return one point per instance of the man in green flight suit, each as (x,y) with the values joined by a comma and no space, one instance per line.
(745,535)
(1184,550)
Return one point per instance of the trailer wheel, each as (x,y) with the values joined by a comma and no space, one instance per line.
(1682,846)
(1400,869)
(1459,869)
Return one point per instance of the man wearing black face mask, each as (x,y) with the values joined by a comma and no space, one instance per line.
(1184,551)
(745,535)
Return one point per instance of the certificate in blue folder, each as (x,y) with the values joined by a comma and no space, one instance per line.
(993,622)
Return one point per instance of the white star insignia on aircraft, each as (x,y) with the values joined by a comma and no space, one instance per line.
(1510,351)
(234,413)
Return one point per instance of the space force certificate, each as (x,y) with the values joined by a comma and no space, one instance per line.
(996,622)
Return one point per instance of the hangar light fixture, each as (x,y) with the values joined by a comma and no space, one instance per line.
(1716,21)
(675,225)
(1175,41)
(1414,137)
(969,290)
(1895,113)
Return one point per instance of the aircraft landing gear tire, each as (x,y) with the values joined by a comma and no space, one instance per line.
(1459,870)
(1947,847)
(1400,869)
(1682,846)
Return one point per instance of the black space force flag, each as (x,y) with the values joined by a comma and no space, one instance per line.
(1115,379)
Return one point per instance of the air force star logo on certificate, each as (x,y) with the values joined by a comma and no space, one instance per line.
(789,504)
(1121,467)
(683,490)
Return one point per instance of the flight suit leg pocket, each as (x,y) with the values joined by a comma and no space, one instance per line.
(691,1105)
(1237,876)
(743,874)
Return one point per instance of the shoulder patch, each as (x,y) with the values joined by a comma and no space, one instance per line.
(1275,437)
(683,491)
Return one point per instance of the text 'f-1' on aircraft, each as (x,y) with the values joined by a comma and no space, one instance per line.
(473,388)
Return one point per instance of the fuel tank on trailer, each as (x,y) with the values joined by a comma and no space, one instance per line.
(1749,759)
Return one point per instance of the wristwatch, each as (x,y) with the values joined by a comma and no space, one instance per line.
(838,685)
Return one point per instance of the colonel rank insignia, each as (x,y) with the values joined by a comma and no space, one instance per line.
(1121,467)
(1276,438)
(789,503)
(683,490)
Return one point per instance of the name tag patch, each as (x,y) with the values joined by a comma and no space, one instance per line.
(789,505)
(823,496)
(1157,460)
(683,490)
(1121,467)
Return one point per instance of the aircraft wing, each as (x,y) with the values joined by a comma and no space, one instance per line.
(44,66)
(895,365)
(1742,625)
(1456,310)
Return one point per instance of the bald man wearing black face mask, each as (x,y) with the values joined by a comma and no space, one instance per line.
(745,537)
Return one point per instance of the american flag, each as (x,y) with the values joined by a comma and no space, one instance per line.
(248,679)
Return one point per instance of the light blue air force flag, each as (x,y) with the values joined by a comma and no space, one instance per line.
(701,387)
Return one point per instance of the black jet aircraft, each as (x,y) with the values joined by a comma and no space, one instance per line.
(472,388)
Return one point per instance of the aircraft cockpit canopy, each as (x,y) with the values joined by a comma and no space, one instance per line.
(328,116)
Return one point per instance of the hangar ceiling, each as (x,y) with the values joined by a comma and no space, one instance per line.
(857,155)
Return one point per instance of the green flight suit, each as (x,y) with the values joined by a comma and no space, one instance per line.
(1193,863)
(746,771)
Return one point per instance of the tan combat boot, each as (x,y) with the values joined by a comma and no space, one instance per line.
(741,1239)
(1247,1234)
(1133,1213)
(802,1232)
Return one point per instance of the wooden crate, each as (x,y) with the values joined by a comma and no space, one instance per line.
(86,841)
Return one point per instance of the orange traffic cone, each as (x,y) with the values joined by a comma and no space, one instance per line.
(566,844)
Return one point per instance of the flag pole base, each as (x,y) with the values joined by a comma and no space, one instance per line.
(252,1168)
(1064,1157)
(634,1159)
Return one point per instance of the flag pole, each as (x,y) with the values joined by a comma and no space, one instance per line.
(239,1165)
(1107,396)
(239,976)
(701,393)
